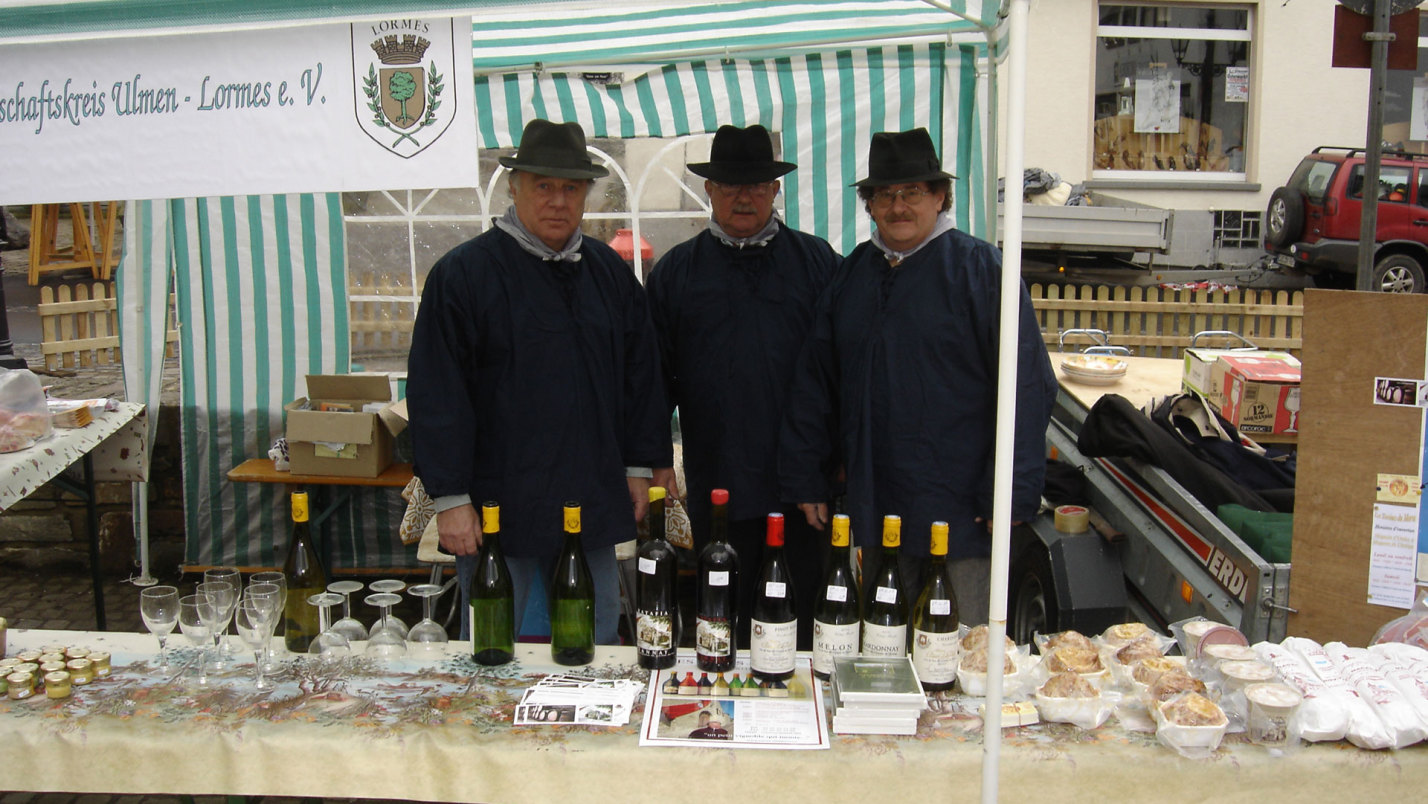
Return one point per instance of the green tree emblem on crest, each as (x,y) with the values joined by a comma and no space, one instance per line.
(402,87)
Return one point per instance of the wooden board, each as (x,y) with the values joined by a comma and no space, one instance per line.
(1344,442)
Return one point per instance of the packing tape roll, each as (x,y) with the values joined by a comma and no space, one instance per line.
(1072,519)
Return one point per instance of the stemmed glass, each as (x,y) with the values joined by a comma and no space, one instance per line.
(329,641)
(279,580)
(230,576)
(389,620)
(349,627)
(386,641)
(195,626)
(428,634)
(224,597)
(255,618)
(159,606)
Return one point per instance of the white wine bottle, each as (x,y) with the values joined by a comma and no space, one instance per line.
(493,607)
(885,628)
(838,617)
(774,621)
(936,649)
(304,576)
(572,598)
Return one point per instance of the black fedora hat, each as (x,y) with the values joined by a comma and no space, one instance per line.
(741,156)
(554,149)
(902,157)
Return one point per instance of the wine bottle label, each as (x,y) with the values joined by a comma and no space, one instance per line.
(887,641)
(720,578)
(713,638)
(885,594)
(775,589)
(654,632)
(831,642)
(936,656)
(647,566)
(939,607)
(771,646)
(838,593)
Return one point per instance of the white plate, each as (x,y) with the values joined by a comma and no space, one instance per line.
(1093,380)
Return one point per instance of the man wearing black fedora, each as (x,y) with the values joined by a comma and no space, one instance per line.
(534,379)
(899,378)
(732,306)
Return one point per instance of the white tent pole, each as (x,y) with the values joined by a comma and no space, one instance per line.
(1006,396)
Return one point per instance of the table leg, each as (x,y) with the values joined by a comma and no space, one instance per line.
(92,520)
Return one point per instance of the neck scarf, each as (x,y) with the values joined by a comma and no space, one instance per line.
(511,225)
(944,224)
(760,238)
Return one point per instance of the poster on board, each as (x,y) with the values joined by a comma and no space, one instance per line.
(320,108)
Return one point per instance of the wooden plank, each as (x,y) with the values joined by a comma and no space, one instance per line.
(1345,441)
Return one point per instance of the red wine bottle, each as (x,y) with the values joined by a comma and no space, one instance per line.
(716,603)
(656,610)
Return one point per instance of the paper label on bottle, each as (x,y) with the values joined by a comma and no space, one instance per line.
(775,589)
(720,578)
(647,566)
(833,641)
(713,638)
(939,607)
(838,593)
(654,632)
(936,656)
(884,641)
(772,645)
(885,594)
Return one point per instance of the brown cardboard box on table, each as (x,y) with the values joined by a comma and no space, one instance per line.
(1260,393)
(366,439)
(1200,375)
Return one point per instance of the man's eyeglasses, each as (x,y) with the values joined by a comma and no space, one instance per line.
(756,190)
(909,196)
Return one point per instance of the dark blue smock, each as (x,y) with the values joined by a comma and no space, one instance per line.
(532,383)
(731,323)
(904,360)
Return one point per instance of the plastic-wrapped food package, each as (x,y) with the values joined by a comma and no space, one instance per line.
(1365,730)
(1394,710)
(1323,716)
(1413,684)
(1411,628)
(24,412)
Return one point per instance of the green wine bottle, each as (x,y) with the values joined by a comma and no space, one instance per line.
(936,648)
(572,598)
(305,577)
(493,608)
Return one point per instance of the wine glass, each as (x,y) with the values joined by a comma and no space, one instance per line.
(255,619)
(230,576)
(329,642)
(159,606)
(386,642)
(279,580)
(389,620)
(349,627)
(224,597)
(427,633)
(195,627)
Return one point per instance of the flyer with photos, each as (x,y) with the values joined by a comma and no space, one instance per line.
(690,707)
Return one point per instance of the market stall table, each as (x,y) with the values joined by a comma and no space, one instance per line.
(439,729)
(112,447)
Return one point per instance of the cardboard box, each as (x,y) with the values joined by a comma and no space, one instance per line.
(1200,370)
(363,441)
(1261,393)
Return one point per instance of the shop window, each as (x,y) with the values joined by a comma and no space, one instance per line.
(1172,91)
(1237,228)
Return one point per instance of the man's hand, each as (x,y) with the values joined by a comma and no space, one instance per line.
(639,495)
(815,513)
(665,479)
(459,530)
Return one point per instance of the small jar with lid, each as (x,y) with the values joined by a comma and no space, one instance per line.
(54,648)
(76,653)
(51,656)
(57,684)
(30,655)
(81,671)
(7,664)
(100,660)
(26,667)
(49,667)
(21,686)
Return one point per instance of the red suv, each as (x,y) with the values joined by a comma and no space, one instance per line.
(1312,224)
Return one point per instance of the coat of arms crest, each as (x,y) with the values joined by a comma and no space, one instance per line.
(400,104)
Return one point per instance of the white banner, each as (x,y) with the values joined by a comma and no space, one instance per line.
(376,105)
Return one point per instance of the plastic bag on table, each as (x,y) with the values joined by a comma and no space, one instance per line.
(1411,628)
(24,412)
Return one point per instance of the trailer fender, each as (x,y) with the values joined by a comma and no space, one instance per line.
(1060,581)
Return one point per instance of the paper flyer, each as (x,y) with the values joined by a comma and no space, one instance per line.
(686,706)
(1393,556)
